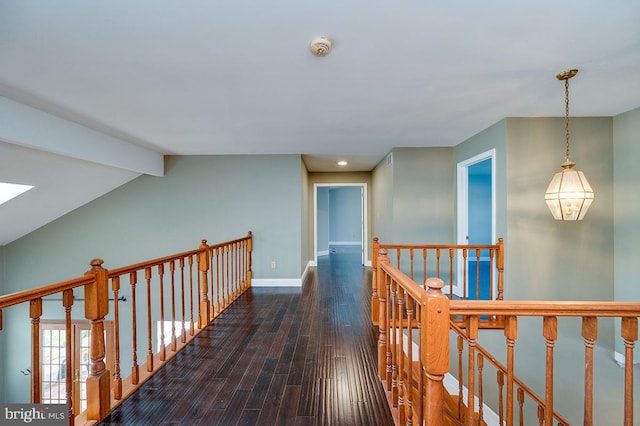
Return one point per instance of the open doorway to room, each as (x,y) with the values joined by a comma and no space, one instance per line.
(476,218)
(340,219)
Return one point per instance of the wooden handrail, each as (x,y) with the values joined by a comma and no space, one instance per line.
(102,287)
(545,308)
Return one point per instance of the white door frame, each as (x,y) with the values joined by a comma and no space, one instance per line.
(463,208)
(363,216)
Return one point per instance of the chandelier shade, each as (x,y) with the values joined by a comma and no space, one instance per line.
(569,194)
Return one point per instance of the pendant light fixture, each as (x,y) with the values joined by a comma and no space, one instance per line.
(569,194)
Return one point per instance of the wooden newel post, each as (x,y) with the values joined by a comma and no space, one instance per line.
(434,335)
(383,312)
(203,267)
(375,303)
(96,307)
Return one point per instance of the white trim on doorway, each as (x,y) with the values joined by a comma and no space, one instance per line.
(363,216)
(462,207)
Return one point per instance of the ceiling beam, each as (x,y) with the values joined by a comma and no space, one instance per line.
(23,125)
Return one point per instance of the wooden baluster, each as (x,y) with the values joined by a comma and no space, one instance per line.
(464,273)
(478,252)
(434,311)
(500,380)
(394,342)
(135,369)
(212,284)
(424,267)
(117,380)
(96,307)
(460,376)
(226,278)
(472,324)
(191,320)
(183,333)
(590,334)
(480,389)
(492,254)
(398,258)
(203,266)
(409,393)
(67,302)
(540,415)
(383,327)
(172,272)
(375,302)
(510,334)
(249,264)
(163,349)
(629,332)
(35,312)
(147,276)
(438,263)
(411,256)
(550,333)
(451,257)
(218,290)
(521,406)
(500,266)
(400,360)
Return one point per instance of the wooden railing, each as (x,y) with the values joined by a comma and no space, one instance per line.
(415,327)
(188,289)
(470,271)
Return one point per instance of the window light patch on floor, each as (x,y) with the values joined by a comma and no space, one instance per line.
(11,190)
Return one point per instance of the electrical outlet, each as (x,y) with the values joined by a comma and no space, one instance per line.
(273,264)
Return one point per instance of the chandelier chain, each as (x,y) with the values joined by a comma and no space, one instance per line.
(566,116)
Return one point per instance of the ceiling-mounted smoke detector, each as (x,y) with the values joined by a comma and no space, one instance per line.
(320,46)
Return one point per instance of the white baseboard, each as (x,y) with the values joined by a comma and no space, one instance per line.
(276,282)
(323,253)
(345,243)
(282,282)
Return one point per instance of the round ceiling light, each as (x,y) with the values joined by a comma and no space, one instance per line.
(320,46)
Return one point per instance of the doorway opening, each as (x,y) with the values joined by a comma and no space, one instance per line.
(340,218)
(476,219)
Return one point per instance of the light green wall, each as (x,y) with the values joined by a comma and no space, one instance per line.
(550,259)
(213,197)
(413,197)
(626,205)
(322,216)
(423,196)
(382,199)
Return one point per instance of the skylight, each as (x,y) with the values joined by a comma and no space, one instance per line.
(11,190)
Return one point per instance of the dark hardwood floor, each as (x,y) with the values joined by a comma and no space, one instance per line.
(277,356)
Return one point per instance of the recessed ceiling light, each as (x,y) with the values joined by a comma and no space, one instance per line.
(11,190)
(342,163)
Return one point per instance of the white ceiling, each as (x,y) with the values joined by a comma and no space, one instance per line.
(237,77)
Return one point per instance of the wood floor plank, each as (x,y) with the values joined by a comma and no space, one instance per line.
(277,356)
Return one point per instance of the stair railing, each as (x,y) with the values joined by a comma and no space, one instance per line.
(414,327)
(186,290)
(469,271)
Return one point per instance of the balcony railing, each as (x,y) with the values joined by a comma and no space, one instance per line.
(185,291)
